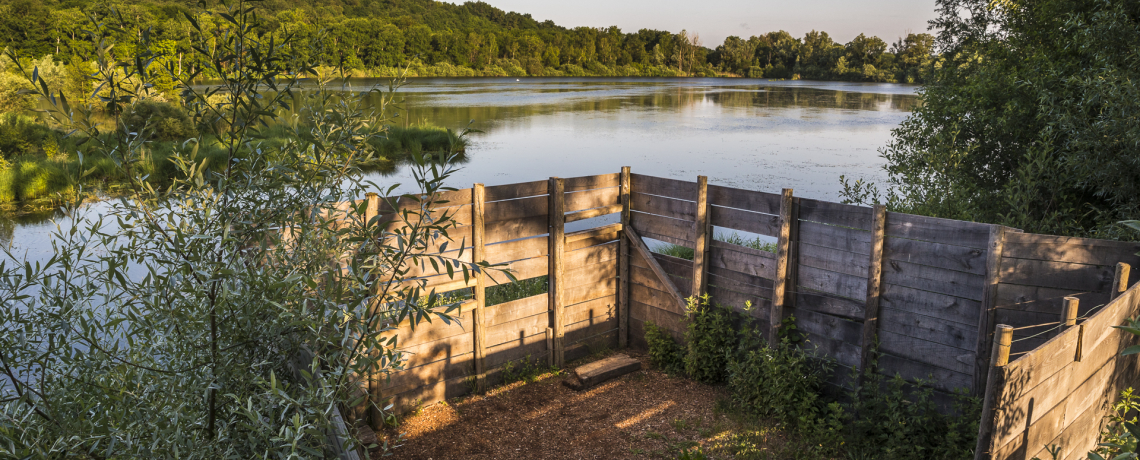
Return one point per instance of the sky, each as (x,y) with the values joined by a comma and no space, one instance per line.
(716,19)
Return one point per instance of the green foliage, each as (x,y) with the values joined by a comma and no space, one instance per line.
(524,370)
(1029,122)
(664,352)
(159,121)
(900,420)
(782,382)
(708,347)
(1119,438)
(686,253)
(169,324)
(520,289)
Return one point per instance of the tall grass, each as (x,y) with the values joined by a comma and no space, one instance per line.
(683,252)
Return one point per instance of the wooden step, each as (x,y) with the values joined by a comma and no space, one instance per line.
(590,375)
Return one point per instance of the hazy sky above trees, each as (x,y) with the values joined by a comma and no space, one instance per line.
(716,19)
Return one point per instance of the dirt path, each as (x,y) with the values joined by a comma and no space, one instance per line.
(646,414)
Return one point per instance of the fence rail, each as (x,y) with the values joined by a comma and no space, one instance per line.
(924,292)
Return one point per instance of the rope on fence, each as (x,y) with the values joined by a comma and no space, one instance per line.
(1092,312)
(1040,333)
(1036,325)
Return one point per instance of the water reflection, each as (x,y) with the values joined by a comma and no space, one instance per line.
(746,133)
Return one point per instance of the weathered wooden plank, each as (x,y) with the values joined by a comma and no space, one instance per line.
(514,330)
(648,258)
(871,312)
(663,206)
(557,247)
(946,231)
(846,354)
(623,262)
(737,219)
(662,186)
(783,276)
(521,269)
(675,266)
(944,307)
(607,287)
(592,374)
(532,348)
(590,274)
(845,215)
(479,293)
(764,202)
(1012,294)
(515,309)
(743,278)
(591,255)
(848,263)
(754,262)
(673,228)
(960,258)
(574,184)
(911,324)
(937,377)
(600,309)
(662,318)
(586,330)
(927,278)
(1057,275)
(607,231)
(520,190)
(832,327)
(814,279)
(592,213)
(522,208)
(701,236)
(408,335)
(936,354)
(836,306)
(659,299)
(834,237)
(1087,301)
(408,379)
(645,277)
(506,230)
(591,345)
(1070,249)
(741,287)
(517,249)
(609,239)
(430,352)
(591,199)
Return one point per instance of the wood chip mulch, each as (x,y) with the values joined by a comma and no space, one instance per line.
(646,414)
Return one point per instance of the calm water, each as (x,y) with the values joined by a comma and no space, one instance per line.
(753,134)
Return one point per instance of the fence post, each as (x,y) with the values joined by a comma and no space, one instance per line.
(478,253)
(372,403)
(1069,313)
(623,263)
(989,299)
(779,293)
(557,247)
(1120,281)
(701,236)
(874,288)
(1003,337)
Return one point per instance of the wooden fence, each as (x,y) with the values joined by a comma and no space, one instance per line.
(927,291)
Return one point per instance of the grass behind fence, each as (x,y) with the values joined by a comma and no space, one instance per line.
(684,252)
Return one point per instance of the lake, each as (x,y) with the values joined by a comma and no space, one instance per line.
(745,133)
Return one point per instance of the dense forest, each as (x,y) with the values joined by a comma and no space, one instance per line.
(376,37)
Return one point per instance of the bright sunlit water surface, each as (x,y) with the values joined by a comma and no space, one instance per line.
(751,134)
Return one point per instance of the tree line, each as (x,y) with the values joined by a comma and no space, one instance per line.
(375,37)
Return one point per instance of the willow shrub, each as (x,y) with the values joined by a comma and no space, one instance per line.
(164,326)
